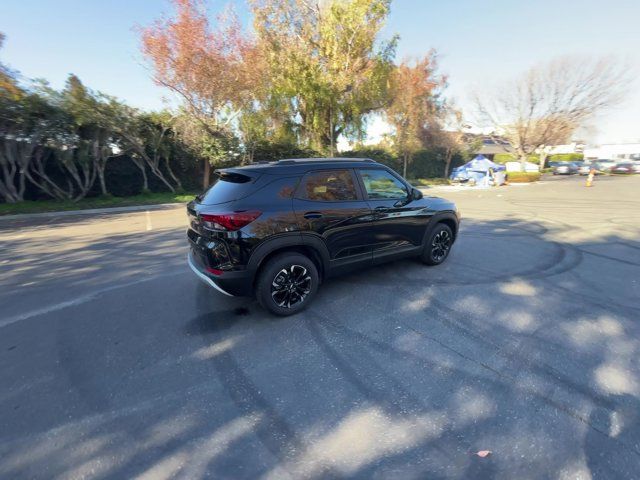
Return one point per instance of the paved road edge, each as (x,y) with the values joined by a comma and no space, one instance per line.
(89,211)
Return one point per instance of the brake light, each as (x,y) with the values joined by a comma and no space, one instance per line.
(229,221)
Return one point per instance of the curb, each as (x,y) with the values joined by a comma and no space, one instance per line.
(90,211)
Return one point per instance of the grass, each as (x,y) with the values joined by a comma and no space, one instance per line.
(426,182)
(40,206)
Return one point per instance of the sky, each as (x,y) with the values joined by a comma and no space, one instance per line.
(481,43)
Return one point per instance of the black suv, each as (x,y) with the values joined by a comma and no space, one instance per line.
(278,229)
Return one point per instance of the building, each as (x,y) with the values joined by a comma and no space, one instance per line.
(576,146)
(613,151)
(493,145)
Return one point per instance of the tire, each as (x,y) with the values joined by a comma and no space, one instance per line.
(438,245)
(298,278)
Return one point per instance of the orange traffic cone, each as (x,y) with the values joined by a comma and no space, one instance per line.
(590,178)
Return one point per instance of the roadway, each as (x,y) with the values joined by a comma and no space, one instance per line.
(116,362)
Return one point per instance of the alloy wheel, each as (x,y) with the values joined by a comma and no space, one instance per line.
(290,286)
(440,246)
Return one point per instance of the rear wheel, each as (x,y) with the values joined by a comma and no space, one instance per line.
(287,283)
(438,245)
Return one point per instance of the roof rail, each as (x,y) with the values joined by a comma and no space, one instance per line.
(289,161)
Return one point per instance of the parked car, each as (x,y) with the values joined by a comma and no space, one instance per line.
(585,168)
(623,168)
(606,165)
(565,168)
(636,166)
(277,230)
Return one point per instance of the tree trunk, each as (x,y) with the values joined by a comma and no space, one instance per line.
(21,184)
(139,162)
(405,162)
(331,132)
(84,179)
(103,184)
(447,162)
(543,159)
(7,187)
(522,157)
(145,179)
(207,174)
(172,175)
(156,171)
(37,175)
(100,165)
(14,159)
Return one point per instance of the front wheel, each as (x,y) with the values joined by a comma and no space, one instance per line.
(438,245)
(287,283)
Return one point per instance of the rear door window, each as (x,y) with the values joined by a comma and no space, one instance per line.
(228,186)
(328,186)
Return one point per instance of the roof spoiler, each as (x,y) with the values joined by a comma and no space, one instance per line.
(236,175)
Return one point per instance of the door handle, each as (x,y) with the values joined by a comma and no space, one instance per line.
(310,215)
(381,209)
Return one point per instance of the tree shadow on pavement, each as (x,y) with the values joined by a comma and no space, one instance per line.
(523,344)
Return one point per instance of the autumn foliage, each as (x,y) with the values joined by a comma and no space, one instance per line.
(414,104)
(311,72)
(216,71)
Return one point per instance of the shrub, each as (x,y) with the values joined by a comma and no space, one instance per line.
(427,163)
(375,153)
(566,157)
(268,151)
(523,177)
(425,182)
(503,158)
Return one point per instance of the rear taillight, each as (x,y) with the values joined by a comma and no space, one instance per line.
(228,221)
(214,271)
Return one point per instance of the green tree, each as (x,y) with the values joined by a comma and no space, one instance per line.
(14,125)
(223,149)
(324,63)
(90,115)
(147,138)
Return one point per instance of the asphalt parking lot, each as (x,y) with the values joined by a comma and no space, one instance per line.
(116,362)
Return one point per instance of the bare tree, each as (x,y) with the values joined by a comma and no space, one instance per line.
(551,101)
(449,132)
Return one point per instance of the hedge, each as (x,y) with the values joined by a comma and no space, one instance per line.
(559,157)
(503,158)
(426,182)
(523,177)
(427,163)
(566,157)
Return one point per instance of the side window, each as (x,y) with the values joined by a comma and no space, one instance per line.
(328,186)
(380,184)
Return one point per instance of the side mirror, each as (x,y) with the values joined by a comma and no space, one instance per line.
(415,194)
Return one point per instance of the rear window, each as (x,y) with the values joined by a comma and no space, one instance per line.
(227,186)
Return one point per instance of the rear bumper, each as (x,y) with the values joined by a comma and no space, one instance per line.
(204,277)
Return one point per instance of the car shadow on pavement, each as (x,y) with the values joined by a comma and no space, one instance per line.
(523,344)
